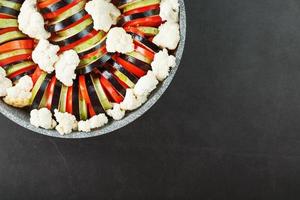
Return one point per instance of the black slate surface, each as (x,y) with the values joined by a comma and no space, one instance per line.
(227,128)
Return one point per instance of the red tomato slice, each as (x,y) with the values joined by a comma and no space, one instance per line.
(150,39)
(14,59)
(110,90)
(131,67)
(154,21)
(131,29)
(74,44)
(83,89)
(144,51)
(141,9)
(50,92)
(3,16)
(70,100)
(37,73)
(61,10)
(17,44)
(91,110)
(6,30)
(47,3)
(21,71)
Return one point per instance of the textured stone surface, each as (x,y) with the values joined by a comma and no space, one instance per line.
(21,117)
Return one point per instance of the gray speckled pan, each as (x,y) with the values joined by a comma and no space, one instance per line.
(21,117)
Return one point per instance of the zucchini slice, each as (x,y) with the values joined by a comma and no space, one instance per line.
(75,29)
(10,4)
(14,53)
(88,43)
(139,56)
(83,112)
(63,99)
(94,47)
(101,93)
(148,31)
(75,9)
(74,38)
(22,65)
(12,35)
(39,90)
(139,4)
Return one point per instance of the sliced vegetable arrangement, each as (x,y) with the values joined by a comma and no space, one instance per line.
(81,60)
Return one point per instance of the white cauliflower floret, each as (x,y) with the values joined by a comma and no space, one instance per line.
(145,85)
(130,102)
(96,121)
(5,83)
(84,126)
(168,36)
(66,122)
(169,10)
(116,112)
(20,95)
(25,83)
(42,118)
(31,22)
(65,67)
(119,41)
(45,55)
(2,72)
(162,63)
(104,14)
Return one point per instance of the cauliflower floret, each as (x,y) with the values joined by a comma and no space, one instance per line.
(116,113)
(168,36)
(95,122)
(162,63)
(42,118)
(145,85)
(84,126)
(19,95)
(169,10)
(119,41)
(45,55)
(130,101)
(5,83)
(2,72)
(66,122)
(104,14)
(98,121)
(31,22)
(65,67)
(25,83)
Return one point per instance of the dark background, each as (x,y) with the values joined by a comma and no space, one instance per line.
(227,128)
